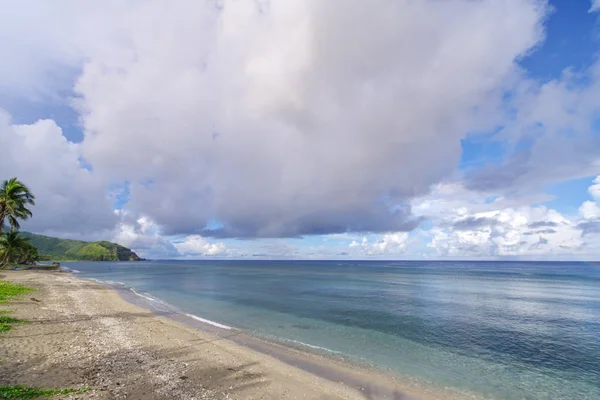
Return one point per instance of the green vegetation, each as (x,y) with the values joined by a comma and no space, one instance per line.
(15,248)
(5,321)
(54,249)
(26,392)
(9,290)
(18,248)
(14,199)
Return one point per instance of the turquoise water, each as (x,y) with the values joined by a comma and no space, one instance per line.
(502,330)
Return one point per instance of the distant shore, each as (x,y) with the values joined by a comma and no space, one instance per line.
(83,333)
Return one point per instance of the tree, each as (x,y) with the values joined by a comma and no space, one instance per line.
(15,248)
(27,254)
(14,199)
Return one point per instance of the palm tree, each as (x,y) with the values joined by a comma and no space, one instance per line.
(12,247)
(14,199)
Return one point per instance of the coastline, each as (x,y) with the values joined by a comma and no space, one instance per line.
(102,333)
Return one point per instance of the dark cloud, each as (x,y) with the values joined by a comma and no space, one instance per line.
(473,223)
(547,231)
(540,232)
(376,221)
(590,227)
(494,177)
(543,224)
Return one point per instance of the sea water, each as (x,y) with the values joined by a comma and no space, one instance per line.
(501,330)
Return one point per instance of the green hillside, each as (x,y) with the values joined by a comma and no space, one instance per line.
(55,249)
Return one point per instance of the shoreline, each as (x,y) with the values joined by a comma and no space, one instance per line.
(200,359)
(324,363)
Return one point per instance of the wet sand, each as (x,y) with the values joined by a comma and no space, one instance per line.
(83,334)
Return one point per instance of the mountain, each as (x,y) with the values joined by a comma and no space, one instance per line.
(55,249)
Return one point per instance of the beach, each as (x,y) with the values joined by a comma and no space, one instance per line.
(84,334)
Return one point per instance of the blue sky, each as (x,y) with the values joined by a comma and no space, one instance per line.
(431,131)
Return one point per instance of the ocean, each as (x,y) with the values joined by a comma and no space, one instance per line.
(497,330)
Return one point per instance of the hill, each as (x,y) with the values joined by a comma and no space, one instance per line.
(55,249)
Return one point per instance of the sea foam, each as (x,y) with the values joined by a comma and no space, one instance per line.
(207,321)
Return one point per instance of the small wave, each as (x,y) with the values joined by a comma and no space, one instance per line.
(166,305)
(207,321)
(73,271)
(149,297)
(146,296)
(115,283)
(312,346)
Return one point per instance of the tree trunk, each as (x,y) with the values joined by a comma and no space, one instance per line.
(2,217)
(5,261)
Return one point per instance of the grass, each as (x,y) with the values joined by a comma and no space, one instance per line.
(27,392)
(8,291)
(5,321)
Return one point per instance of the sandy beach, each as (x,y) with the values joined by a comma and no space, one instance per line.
(83,334)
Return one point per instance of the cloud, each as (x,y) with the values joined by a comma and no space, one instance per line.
(70,200)
(553,124)
(590,227)
(595,6)
(143,236)
(509,235)
(542,224)
(590,211)
(389,244)
(466,225)
(473,223)
(195,245)
(276,119)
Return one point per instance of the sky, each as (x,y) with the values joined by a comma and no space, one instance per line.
(308,129)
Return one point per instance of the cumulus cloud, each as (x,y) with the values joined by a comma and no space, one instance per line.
(595,6)
(195,245)
(142,235)
(279,118)
(552,125)
(466,225)
(70,200)
(288,118)
(389,244)
(590,211)
(510,235)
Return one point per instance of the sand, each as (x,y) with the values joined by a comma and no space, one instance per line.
(83,334)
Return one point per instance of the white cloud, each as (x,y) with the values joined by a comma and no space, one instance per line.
(590,210)
(553,124)
(195,245)
(389,244)
(143,236)
(277,119)
(70,199)
(595,6)
(466,225)
(594,189)
(296,117)
(509,232)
